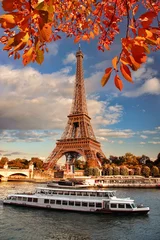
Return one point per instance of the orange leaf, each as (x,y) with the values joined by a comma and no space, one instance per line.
(106,46)
(135,9)
(91,35)
(8,18)
(77,39)
(125,61)
(85,37)
(114,62)
(40,56)
(118,82)
(8,6)
(27,57)
(106,76)
(46,32)
(147,18)
(134,65)
(126,72)
(96,29)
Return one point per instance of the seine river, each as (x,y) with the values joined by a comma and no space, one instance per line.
(18,223)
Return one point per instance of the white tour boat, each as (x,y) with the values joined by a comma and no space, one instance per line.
(98,201)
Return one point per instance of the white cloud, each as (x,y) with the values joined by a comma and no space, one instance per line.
(151,86)
(53,49)
(143,136)
(149,132)
(120,142)
(31,100)
(142,143)
(115,133)
(150,60)
(154,142)
(70,58)
(102,65)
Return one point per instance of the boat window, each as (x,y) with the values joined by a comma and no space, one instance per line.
(77,203)
(19,198)
(60,193)
(84,204)
(99,194)
(128,206)
(64,202)
(52,201)
(85,194)
(91,204)
(72,193)
(93,194)
(71,203)
(35,199)
(42,191)
(54,192)
(13,198)
(79,194)
(29,199)
(46,200)
(98,205)
(106,195)
(66,193)
(49,192)
(133,206)
(113,205)
(120,205)
(58,202)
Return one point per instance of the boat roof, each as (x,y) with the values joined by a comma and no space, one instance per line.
(75,190)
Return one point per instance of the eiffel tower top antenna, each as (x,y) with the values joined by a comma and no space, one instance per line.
(79,47)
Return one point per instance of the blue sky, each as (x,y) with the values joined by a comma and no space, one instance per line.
(35,101)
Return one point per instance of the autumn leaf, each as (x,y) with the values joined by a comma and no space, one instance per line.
(126,72)
(147,18)
(118,82)
(106,76)
(8,18)
(27,57)
(46,32)
(114,62)
(85,37)
(135,66)
(77,39)
(8,6)
(40,56)
(91,35)
(96,29)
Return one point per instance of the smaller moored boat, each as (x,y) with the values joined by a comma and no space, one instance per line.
(82,200)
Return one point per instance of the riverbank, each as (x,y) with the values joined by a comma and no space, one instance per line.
(104,182)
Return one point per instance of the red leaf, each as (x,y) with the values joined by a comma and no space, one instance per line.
(77,39)
(118,82)
(126,72)
(106,76)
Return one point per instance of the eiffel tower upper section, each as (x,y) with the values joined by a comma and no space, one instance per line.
(79,122)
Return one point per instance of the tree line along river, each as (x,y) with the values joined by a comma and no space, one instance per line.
(19,223)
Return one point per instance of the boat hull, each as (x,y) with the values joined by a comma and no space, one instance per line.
(143,211)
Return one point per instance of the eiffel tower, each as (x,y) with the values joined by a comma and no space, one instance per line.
(78,138)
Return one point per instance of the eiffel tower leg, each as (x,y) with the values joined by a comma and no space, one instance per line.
(55,155)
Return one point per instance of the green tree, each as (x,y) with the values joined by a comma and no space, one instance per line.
(124,170)
(137,170)
(155,171)
(116,170)
(145,171)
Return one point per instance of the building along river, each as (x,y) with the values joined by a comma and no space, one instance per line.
(20,223)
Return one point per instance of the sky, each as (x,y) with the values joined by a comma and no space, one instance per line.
(35,101)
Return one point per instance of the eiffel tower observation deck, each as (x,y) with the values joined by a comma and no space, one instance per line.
(78,139)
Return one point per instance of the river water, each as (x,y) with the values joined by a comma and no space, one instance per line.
(19,223)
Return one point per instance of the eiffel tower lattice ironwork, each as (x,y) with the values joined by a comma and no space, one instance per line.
(78,138)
